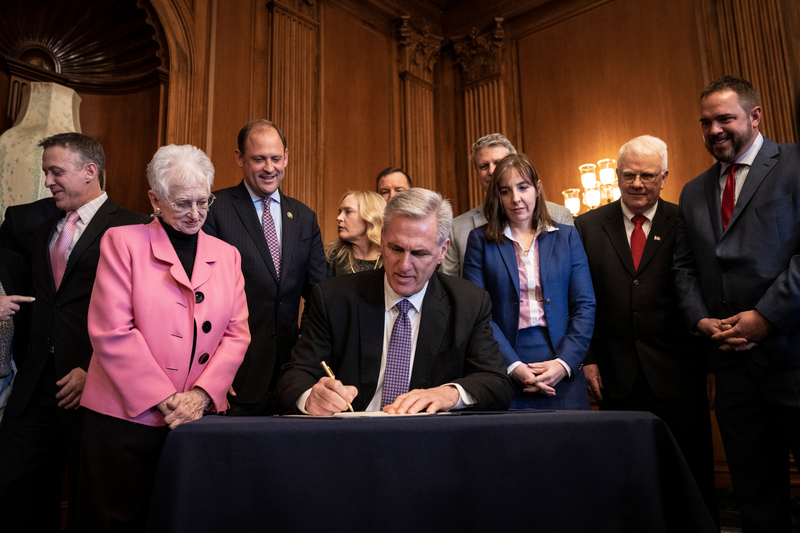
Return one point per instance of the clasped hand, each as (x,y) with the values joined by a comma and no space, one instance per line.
(183,407)
(739,332)
(540,377)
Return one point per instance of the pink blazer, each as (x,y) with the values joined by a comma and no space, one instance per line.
(141,323)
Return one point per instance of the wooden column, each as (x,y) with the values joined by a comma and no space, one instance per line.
(293,99)
(418,52)
(484,91)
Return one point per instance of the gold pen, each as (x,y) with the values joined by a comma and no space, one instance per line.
(330,375)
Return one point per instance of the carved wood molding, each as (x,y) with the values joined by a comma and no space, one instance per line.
(480,55)
(418,50)
(118,49)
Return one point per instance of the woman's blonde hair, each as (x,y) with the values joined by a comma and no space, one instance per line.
(370,207)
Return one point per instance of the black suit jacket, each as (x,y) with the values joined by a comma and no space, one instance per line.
(638,319)
(20,223)
(58,324)
(754,263)
(274,305)
(346,329)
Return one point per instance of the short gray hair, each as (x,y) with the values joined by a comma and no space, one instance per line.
(645,145)
(419,203)
(490,141)
(173,165)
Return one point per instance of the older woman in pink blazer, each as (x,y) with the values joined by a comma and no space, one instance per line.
(168,324)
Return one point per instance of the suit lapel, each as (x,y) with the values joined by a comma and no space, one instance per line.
(614,227)
(435,312)
(478,219)
(288,229)
(94,230)
(245,208)
(660,228)
(371,313)
(164,251)
(546,240)
(763,163)
(506,251)
(712,198)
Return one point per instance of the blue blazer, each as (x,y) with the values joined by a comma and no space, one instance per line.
(566,289)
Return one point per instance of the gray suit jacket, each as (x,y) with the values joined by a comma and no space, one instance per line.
(453,263)
(754,263)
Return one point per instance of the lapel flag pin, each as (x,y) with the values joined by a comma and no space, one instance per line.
(655,237)
(289,214)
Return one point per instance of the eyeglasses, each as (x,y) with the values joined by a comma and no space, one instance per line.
(184,204)
(645,177)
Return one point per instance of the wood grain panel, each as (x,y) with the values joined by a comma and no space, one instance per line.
(233,77)
(590,83)
(358,67)
(127,127)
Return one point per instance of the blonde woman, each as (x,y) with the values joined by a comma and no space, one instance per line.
(359,224)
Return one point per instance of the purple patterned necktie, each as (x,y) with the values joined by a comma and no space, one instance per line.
(398,356)
(271,236)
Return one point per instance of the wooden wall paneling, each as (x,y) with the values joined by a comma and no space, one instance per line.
(127,127)
(294,94)
(483,89)
(418,53)
(358,99)
(451,155)
(754,46)
(593,80)
(233,85)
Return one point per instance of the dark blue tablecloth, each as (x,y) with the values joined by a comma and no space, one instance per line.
(524,471)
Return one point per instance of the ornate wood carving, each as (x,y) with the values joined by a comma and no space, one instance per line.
(294,93)
(418,52)
(114,47)
(480,58)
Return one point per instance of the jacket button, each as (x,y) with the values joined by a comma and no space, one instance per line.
(199,297)
(547,301)
(274,335)
(203,359)
(206,326)
(636,282)
(56,306)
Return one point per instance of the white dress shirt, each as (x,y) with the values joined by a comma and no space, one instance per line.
(740,175)
(627,217)
(274,210)
(86,213)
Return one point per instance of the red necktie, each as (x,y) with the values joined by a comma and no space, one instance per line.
(637,240)
(728,200)
(58,255)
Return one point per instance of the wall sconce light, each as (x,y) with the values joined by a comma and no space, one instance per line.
(604,191)
(572,199)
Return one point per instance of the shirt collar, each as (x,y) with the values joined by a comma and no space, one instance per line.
(628,214)
(391,298)
(748,157)
(276,196)
(88,210)
(507,231)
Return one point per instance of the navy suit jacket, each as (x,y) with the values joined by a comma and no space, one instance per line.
(754,263)
(346,329)
(566,290)
(273,304)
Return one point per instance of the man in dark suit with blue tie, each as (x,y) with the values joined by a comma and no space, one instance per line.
(282,258)
(737,273)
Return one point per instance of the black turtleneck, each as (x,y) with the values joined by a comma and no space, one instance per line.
(185,246)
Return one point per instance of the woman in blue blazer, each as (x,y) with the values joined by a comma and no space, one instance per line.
(542,297)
